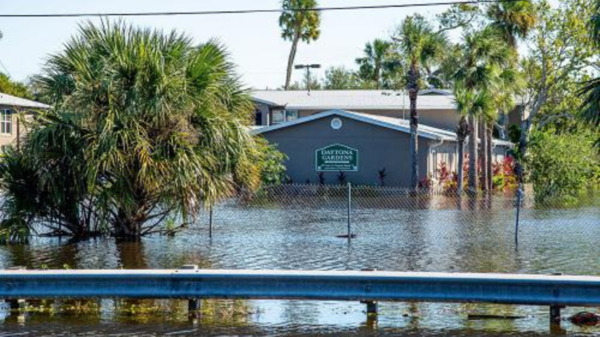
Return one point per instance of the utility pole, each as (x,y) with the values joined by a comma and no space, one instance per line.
(308,67)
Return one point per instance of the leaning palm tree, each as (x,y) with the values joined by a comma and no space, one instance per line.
(513,19)
(372,65)
(144,126)
(298,22)
(484,56)
(421,46)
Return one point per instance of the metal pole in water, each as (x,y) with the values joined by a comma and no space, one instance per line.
(349,208)
(519,197)
(210,217)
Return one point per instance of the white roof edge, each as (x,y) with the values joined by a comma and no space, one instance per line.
(264,101)
(362,107)
(16,102)
(350,115)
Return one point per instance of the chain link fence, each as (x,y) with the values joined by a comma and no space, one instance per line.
(426,225)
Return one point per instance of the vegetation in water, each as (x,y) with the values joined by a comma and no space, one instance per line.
(145,126)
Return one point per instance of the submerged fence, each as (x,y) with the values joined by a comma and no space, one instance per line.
(357,206)
(554,235)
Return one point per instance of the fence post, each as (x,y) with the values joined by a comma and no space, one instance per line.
(519,199)
(349,209)
(210,218)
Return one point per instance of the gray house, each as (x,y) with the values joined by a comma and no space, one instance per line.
(360,145)
(436,107)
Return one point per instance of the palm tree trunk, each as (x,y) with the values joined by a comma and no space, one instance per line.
(413,91)
(483,155)
(461,164)
(291,58)
(490,173)
(473,184)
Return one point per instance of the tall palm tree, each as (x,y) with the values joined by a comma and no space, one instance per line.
(421,46)
(372,65)
(463,106)
(298,23)
(484,56)
(513,19)
(591,104)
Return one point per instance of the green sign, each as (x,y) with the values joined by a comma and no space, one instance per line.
(336,157)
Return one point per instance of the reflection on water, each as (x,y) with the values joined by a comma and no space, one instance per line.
(431,235)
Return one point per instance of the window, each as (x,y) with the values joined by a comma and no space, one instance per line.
(290,115)
(258,117)
(6,121)
(280,116)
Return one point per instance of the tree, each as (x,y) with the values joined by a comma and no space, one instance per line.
(340,78)
(8,86)
(513,19)
(144,126)
(590,108)
(484,55)
(421,47)
(462,132)
(560,48)
(298,23)
(372,64)
(563,165)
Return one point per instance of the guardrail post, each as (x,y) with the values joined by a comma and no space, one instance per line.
(371,305)
(555,310)
(14,303)
(194,304)
(555,314)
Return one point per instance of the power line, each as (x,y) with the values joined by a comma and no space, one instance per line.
(251,11)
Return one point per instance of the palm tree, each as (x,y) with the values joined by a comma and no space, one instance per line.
(462,132)
(484,56)
(421,46)
(591,104)
(372,65)
(513,19)
(298,23)
(144,126)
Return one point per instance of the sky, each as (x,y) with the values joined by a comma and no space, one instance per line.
(253,40)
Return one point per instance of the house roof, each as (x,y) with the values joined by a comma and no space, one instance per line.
(17,102)
(354,99)
(386,122)
(397,124)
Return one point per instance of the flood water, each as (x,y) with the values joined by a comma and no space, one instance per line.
(436,236)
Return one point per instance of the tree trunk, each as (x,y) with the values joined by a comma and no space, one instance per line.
(483,158)
(413,91)
(473,184)
(291,58)
(490,155)
(461,164)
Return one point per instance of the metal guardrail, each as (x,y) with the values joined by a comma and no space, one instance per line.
(553,290)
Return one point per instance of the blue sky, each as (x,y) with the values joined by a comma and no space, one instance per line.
(253,40)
